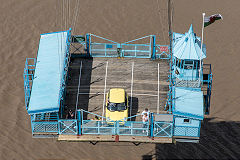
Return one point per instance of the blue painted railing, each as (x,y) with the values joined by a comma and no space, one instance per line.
(121,127)
(163,129)
(186,131)
(44,127)
(126,49)
(28,76)
(68,126)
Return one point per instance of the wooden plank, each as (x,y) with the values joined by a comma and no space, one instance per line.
(114,138)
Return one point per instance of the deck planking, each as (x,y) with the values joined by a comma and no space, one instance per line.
(119,75)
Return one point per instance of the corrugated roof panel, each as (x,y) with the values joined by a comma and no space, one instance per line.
(188,102)
(46,86)
(188,46)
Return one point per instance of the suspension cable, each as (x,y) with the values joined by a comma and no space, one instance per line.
(75,15)
(161,21)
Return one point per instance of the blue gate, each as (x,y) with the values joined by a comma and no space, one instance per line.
(68,126)
(107,127)
(163,129)
(127,49)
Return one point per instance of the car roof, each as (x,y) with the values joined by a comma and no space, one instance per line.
(116,95)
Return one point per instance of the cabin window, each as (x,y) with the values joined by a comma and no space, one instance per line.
(186,120)
(188,64)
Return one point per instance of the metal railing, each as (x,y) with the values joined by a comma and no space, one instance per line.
(28,76)
(187,82)
(104,47)
(98,127)
(68,126)
(103,50)
(136,50)
(186,131)
(163,129)
(133,128)
(45,127)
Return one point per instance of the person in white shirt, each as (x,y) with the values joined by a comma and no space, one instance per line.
(145,111)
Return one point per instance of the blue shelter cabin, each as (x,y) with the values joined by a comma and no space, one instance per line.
(55,78)
(44,80)
(186,55)
(188,106)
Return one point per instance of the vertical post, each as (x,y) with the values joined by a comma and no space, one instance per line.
(153,47)
(104,94)
(172,130)
(88,44)
(79,122)
(170,37)
(79,84)
(200,67)
(151,125)
(105,49)
(131,91)
(158,92)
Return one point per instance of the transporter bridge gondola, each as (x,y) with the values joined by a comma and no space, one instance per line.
(66,86)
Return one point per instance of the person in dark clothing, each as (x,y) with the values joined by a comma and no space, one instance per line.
(70,114)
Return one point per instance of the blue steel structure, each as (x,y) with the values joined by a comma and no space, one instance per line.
(187,102)
(129,49)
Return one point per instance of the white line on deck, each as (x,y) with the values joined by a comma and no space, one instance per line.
(104,99)
(158,92)
(131,89)
(79,83)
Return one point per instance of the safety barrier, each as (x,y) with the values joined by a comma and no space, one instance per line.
(28,76)
(133,128)
(121,127)
(186,131)
(68,126)
(103,50)
(45,127)
(187,83)
(163,129)
(113,49)
(98,127)
(136,50)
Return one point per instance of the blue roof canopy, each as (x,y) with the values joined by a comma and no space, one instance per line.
(47,82)
(188,102)
(188,46)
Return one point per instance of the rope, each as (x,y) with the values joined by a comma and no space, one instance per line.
(172,14)
(69,12)
(161,20)
(75,15)
(57,13)
(64,14)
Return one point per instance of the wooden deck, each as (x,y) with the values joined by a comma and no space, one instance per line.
(119,74)
(114,138)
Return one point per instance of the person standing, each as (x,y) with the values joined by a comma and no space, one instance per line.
(145,122)
(145,111)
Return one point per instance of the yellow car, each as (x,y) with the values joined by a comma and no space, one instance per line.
(117,105)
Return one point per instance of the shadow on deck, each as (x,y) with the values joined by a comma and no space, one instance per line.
(73,82)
